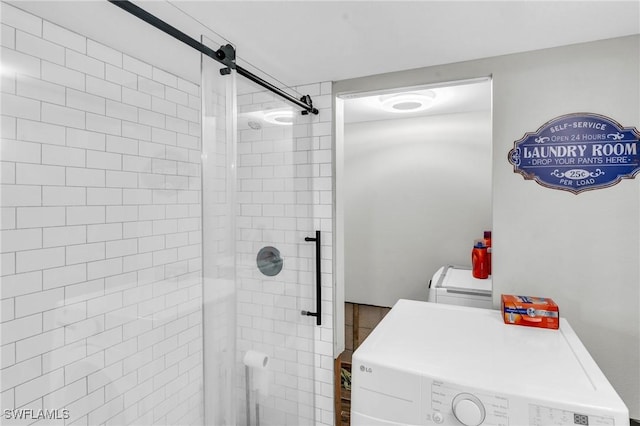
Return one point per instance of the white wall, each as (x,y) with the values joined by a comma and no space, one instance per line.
(101,282)
(582,250)
(417,193)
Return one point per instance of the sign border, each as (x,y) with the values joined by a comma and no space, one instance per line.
(534,177)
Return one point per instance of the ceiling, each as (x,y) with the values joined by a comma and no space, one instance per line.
(299,42)
(451,98)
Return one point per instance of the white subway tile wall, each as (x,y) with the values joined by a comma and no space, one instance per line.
(284,195)
(101,288)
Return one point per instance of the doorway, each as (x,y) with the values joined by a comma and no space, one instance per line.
(413,190)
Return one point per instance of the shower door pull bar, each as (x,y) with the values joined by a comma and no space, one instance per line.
(226,55)
(318,312)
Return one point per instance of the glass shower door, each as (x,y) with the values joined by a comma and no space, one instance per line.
(275,209)
(258,203)
(218,240)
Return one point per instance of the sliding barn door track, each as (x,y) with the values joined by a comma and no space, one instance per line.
(226,55)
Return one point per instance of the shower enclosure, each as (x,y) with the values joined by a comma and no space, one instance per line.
(135,204)
(257,188)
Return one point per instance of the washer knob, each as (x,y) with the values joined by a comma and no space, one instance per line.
(468,409)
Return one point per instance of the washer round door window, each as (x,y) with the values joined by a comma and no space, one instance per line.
(269,261)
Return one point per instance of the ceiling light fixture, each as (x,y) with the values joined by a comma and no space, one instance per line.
(281,117)
(408,102)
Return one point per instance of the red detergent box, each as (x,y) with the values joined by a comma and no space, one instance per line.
(530,311)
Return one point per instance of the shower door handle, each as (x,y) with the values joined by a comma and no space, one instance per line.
(318,312)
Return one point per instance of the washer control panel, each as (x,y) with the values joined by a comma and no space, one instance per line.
(445,403)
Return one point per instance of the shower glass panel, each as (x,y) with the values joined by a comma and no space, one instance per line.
(259,349)
(218,239)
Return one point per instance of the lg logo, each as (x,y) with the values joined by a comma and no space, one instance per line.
(365,369)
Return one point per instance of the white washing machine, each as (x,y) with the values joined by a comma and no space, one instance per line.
(438,364)
(456,285)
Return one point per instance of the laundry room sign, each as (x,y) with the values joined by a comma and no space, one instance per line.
(578,152)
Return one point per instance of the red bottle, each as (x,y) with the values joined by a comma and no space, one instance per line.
(479,260)
(487,243)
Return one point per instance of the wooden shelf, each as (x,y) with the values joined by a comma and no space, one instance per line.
(360,320)
(343,395)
